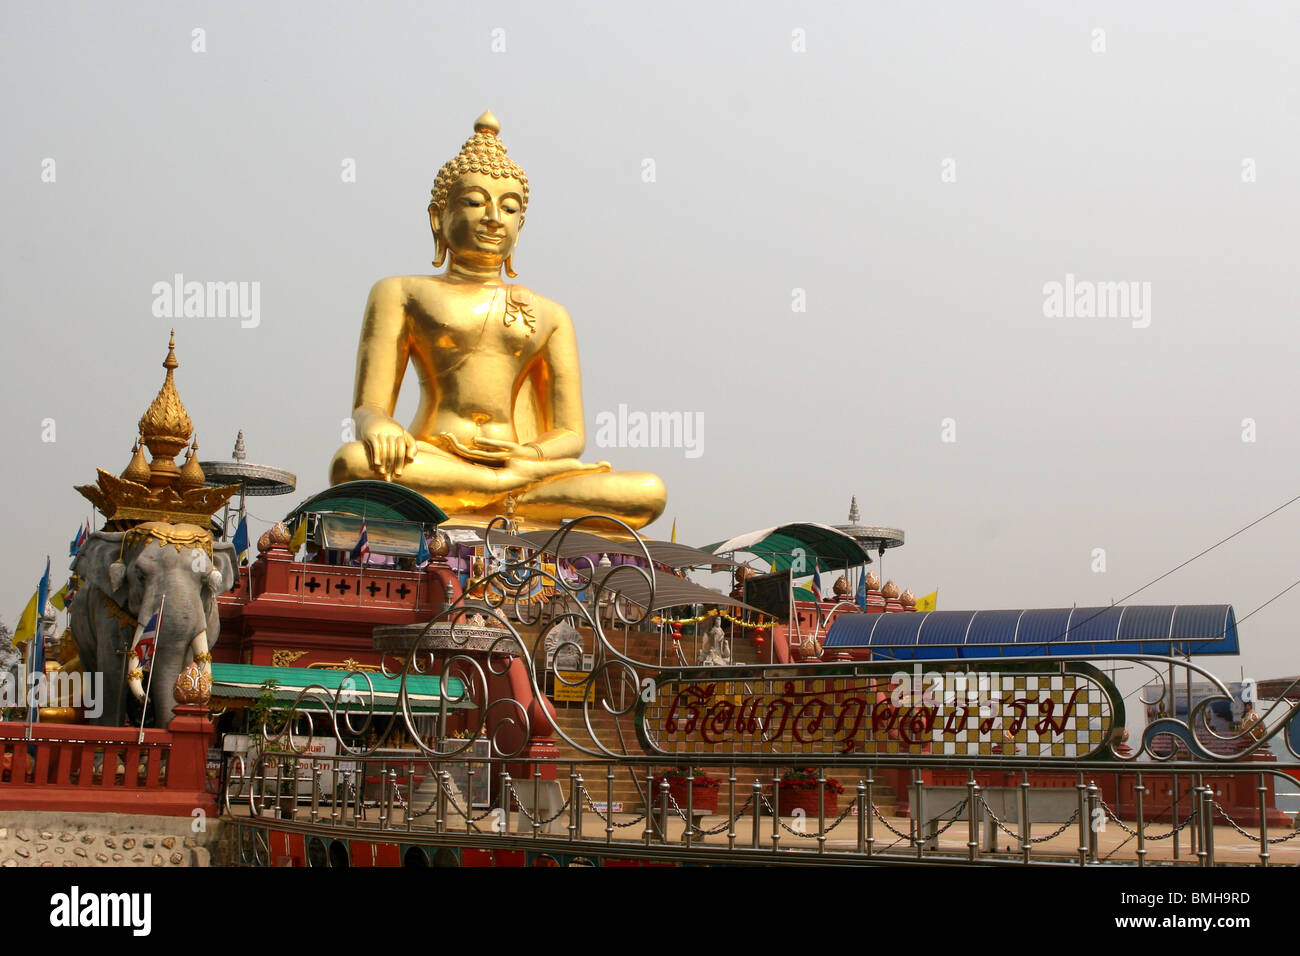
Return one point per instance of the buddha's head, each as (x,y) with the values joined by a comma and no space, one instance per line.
(478,201)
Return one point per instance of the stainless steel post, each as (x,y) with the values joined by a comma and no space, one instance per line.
(537,801)
(776,812)
(507,797)
(1263,821)
(821,809)
(972,818)
(1094,832)
(1025,845)
(663,809)
(315,793)
(731,808)
(1139,792)
(410,795)
(862,816)
(1084,822)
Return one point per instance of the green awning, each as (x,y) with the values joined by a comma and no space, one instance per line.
(798,547)
(373,499)
(244,682)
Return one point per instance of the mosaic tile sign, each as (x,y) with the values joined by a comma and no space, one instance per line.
(1070,713)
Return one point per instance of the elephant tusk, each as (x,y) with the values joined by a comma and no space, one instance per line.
(201,656)
(134,677)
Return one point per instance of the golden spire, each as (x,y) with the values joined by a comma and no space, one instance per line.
(482,153)
(167,418)
(138,469)
(165,427)
(171,494)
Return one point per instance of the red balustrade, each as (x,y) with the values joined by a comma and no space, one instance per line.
(88,769)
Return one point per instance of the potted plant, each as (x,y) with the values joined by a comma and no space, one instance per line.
(266,712)
(798,791)
(703,788)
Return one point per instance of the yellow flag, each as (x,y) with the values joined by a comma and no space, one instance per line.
(928,603)
(60,598)
(673,539)
(26,628)
(299,535)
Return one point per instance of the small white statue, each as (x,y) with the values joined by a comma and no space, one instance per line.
(718,651)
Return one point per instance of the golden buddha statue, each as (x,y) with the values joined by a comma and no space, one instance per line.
(501,394)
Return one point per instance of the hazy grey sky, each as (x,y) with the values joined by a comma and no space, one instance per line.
(920,171)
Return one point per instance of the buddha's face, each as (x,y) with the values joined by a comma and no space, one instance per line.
(482,218)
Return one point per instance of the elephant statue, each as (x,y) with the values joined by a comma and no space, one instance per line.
(126,576)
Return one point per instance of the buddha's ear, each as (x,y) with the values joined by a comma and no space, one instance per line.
(439,247)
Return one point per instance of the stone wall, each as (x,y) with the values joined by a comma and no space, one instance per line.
(34,838)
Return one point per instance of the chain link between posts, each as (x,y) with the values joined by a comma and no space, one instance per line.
(805,835)
(729,822)
(451,799)
(531,819)
(1113,816)
(1003,827)
(1271,841)
(955,810)
(596,810)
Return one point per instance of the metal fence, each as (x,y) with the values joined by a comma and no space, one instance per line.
(827,815)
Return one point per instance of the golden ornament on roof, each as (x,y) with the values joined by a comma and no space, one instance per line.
(191,472)
(890,590)
(165,427)
(159,490)
(276,536)
(138,469)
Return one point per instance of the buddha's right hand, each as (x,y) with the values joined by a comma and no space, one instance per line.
(390,447)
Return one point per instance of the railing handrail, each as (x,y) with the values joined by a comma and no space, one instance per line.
(86,734)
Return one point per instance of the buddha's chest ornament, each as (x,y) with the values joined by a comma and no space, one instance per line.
(519,308)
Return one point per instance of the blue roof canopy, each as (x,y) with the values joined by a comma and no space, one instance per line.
(1119,630)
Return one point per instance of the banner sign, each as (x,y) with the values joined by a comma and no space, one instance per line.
(1063,710)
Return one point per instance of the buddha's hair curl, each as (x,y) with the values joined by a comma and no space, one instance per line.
(482,153)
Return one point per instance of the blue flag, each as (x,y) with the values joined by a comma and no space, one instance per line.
(861,597)
(82,534)
(36,646)
(423,557)
(43,591)
(240,540)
